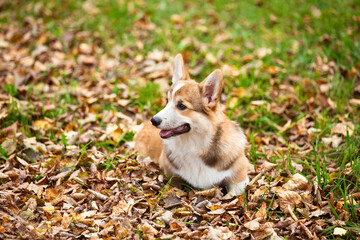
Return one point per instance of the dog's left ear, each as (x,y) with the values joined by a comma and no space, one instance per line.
(211,88)
(179,72)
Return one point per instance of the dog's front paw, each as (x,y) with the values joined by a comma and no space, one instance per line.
(239,188)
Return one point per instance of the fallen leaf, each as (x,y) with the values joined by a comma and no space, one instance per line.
(287,199)
(211,58)
(165,217)
(115,132)
(252,225)
(9,145)
(297,183)
(177,19)
(44,124)
(148,229)
(262,52)
(354,101)
(171,201)
(339,231)
(261,213)
(344,128)
(334,140)
(315,12)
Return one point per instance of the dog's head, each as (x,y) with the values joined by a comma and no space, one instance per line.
(190,105)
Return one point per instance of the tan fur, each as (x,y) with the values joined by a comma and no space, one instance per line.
(226,148)
(148,142)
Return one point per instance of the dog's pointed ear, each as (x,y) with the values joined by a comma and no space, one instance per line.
(211,88)
(179,71)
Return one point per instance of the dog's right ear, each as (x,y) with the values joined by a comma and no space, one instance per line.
(179,72)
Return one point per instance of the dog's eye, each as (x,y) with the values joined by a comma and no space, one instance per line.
(167,100)
(181,106)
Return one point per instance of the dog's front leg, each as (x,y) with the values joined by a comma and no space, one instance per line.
(238,188)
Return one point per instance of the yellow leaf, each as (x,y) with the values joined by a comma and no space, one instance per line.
(214,207)
(332,177)
(233,101)
(76,217)
(177,19)
(43,124)
(48,209)
(50,194)
(114,131)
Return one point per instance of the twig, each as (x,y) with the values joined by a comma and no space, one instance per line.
(98,195)
(257,177)
(304,228)
(292,213)
(307,231)
(254,180)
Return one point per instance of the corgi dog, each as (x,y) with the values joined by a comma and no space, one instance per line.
(192,138)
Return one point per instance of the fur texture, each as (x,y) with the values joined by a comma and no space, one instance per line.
(199,143)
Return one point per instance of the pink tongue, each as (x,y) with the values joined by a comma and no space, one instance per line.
(165,133)
(179,129)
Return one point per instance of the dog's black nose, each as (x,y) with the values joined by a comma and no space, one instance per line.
(156,121)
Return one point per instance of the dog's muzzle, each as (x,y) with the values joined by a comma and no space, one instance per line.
(156,121)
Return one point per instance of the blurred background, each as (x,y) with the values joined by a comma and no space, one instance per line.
(313,47)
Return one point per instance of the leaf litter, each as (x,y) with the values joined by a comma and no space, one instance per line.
(79,177)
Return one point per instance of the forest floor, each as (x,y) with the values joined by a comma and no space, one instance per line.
(77,78)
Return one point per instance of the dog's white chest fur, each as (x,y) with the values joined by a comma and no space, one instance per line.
(185,156)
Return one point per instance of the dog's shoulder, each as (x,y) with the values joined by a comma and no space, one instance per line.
(227,145)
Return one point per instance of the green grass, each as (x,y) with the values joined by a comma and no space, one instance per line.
(147,98)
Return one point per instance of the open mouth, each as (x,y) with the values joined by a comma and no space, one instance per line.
(176,131)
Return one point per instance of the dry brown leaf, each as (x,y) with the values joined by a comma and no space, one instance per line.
(148,229)
(287,199)
(267,166)
(343,128)
(262,52)
(177,19)
(219,233)
(211,58)
(207,193)
(217,211)
(9,145)
(354,101)
(334,140)
(315,12)
(252,225)
(175,225)
(297,183)
(261,213)
(257,194)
